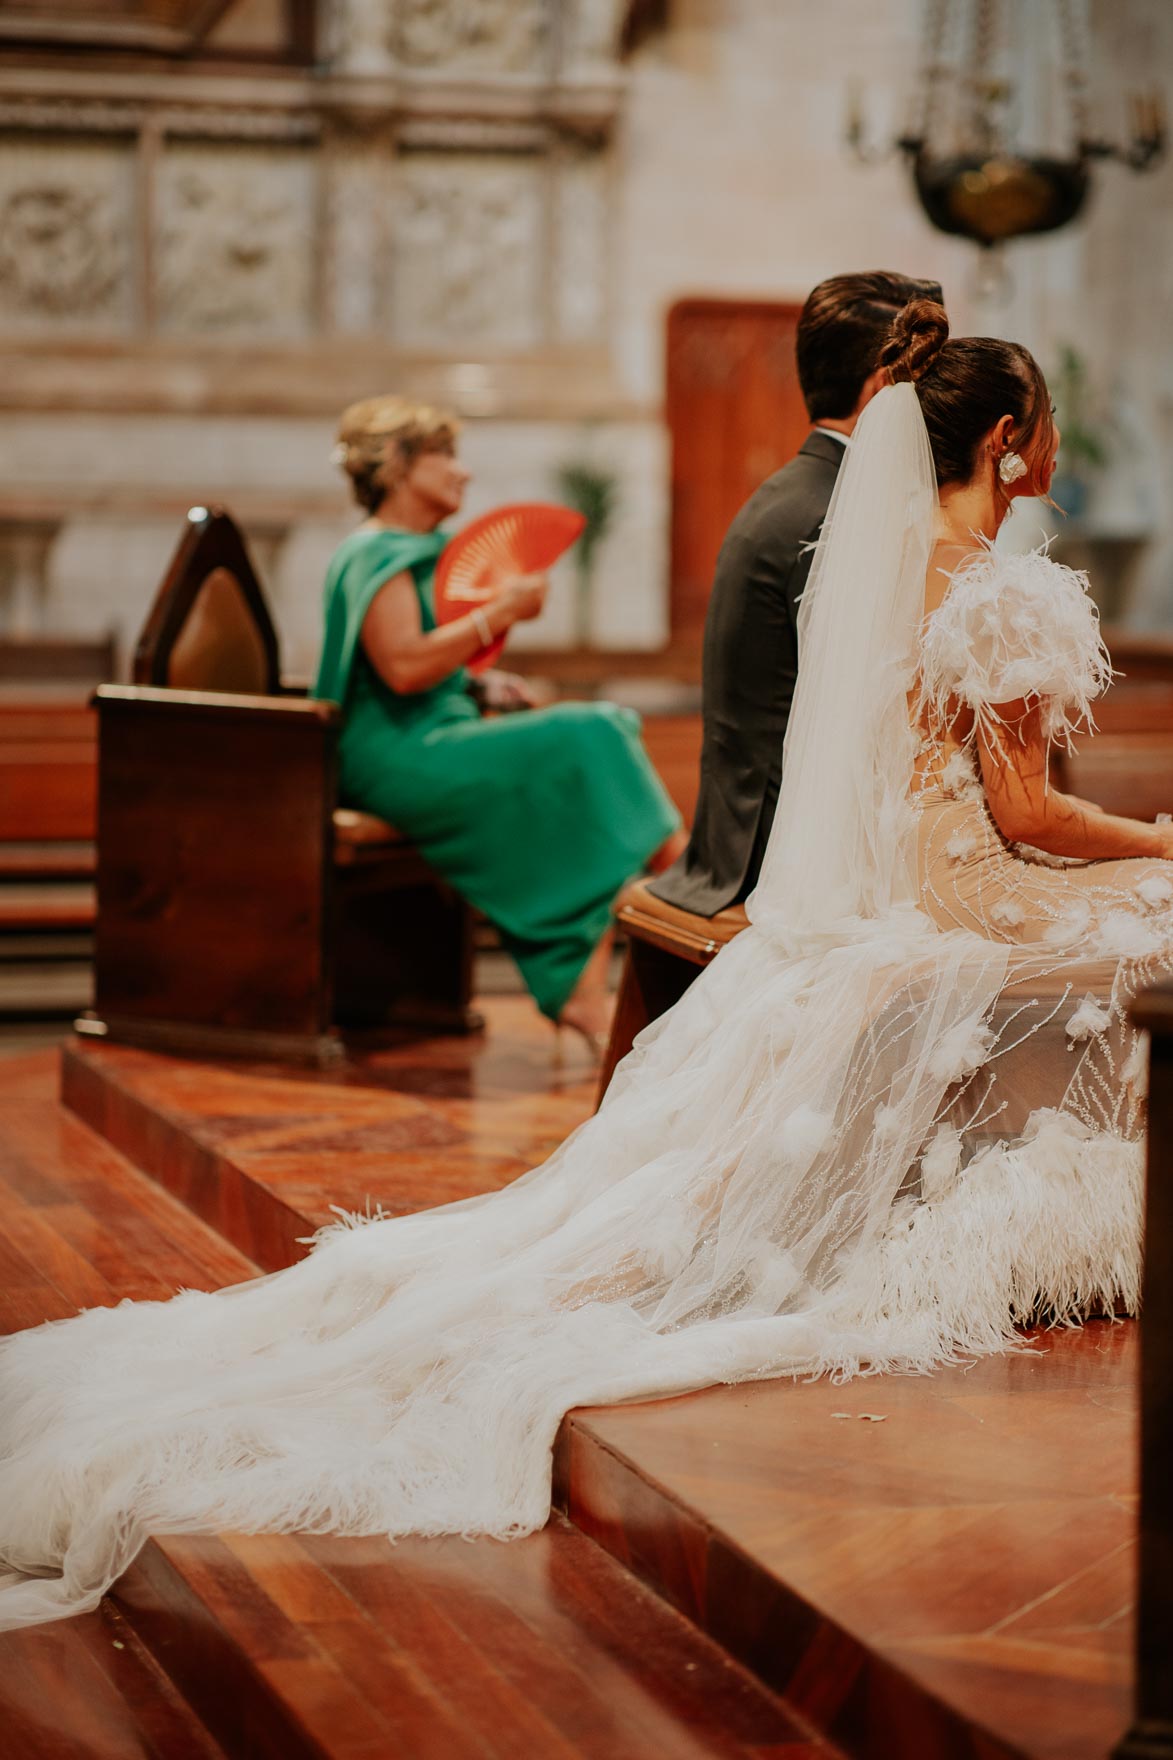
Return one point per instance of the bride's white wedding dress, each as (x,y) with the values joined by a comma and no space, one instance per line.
(897,1115)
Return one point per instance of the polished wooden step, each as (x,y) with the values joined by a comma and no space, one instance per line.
(89,1689)
(290,1646)
(266,1153)
(301,1648)
(934,1566)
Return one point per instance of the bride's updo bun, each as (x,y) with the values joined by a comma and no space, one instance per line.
(919,332)
(965,386)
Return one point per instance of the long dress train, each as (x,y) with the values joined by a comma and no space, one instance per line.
(896,1116)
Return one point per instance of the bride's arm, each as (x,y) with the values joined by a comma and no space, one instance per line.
(1027,810)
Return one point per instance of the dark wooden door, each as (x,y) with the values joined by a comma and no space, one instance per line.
(735,413)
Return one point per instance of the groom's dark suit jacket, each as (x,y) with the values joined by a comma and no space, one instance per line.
(750,665)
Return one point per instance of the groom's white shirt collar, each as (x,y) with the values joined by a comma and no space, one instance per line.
(834,434)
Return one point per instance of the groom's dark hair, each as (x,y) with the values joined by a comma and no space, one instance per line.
(844,324)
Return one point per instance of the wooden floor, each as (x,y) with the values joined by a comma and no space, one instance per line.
(914,1567)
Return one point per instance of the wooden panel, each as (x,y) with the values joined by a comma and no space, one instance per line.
(47,791)
(27,718)
(213,861)
(735,414)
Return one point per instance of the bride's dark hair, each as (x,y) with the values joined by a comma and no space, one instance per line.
(965,386)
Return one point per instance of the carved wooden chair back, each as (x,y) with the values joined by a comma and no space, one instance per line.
(209,628)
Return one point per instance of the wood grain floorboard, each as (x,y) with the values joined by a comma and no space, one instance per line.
(955,1577)
(279,1647)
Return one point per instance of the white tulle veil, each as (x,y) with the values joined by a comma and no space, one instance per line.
(841,846)
(727,1214)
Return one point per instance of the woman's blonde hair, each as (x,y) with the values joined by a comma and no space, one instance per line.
(379,438)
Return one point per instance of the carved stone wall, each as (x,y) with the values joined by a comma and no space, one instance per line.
(469,252)
(438,182)
(200,264)
(67,227)
(233,253)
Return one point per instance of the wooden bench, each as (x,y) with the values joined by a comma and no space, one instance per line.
(239,910)
(1128,767)
(48,775)
(666,948)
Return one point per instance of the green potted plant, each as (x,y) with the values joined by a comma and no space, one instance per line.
(1083,446)
(594,493)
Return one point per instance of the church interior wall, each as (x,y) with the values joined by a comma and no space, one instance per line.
(213,297)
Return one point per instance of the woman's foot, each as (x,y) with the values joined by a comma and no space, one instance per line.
(590,1017)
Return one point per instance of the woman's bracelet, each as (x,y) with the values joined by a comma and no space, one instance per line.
(482,626)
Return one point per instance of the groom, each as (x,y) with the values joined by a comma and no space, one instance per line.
(751,642)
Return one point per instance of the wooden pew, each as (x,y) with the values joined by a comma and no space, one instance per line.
(1150,1736)
(666,948)
(1128,767)
(239,911)
(48,776)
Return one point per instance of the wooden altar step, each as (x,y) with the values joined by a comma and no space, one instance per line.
(311,1648)
(929,1567)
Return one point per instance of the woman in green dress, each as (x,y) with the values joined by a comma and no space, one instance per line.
(537,819)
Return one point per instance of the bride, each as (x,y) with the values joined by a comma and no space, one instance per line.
(896,1117)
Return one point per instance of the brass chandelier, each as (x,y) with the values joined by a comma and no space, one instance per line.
(970,174)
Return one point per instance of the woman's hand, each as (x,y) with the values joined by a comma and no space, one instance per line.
(521,597)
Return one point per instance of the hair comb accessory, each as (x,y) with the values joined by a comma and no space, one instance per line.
(1011,467)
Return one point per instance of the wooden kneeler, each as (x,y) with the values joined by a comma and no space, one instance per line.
(239,909)
(666,948)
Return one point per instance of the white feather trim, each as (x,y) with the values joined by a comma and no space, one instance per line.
(1124,934)
(959,779)
(963,1048)
(1089,1019)
(1154,890)
(804,1133)
(1014,627)
(940,1162)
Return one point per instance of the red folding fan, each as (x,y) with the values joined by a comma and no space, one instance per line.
(525,538)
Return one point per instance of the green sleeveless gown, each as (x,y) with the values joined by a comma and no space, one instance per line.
(538,819)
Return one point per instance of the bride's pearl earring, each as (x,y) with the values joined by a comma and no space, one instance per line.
(1011,467)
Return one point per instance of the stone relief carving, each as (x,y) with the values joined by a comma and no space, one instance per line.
(358,35)
(234,247)
(65,222)
(499,36)
(355,243)
(468,252)
(591,31)
(581,255)
(441,36)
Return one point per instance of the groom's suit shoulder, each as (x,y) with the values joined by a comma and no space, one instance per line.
(767,538)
